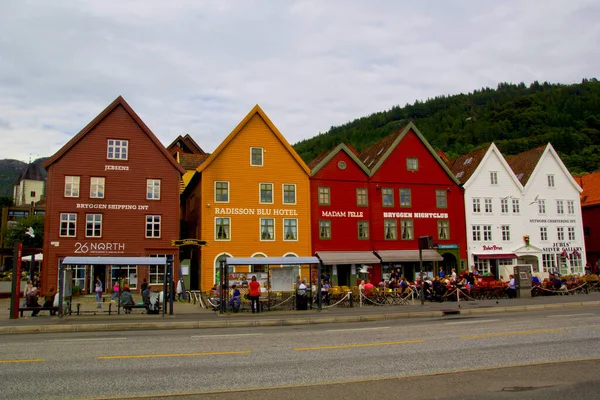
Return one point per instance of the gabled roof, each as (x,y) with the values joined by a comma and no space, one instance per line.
(376,155)
(32,172)
(191,161)
(324,158)
(465,165)
(119,101)
(238,128)
(524,163)
(590,183)
(186,144)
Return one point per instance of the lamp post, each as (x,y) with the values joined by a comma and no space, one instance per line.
(425,242)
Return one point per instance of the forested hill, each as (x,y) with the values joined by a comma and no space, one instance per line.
(514,116)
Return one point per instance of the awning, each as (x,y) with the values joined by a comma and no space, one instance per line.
(271,260)
(408,255)
(38,257)
(347,257)
(495,256)
(114,261)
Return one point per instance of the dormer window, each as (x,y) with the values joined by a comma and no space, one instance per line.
(468,161)
(256,156)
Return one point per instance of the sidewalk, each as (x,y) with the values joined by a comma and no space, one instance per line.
(190,316)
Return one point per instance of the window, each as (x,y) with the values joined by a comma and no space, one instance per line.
(571,207)
(71,186)
(387,197)
(156,273)
(152,226)
(407,229)
(324,199)
(412,164)
(443,226)
(560,207)
(221,192)
(289,193)
(79,275)
(68,223)
(362,199)
(267,229)
(576,265)
(153,189)
(222,228)
(256,156)
(390,229)
(290,229)
(488,205)
(506,233)
(126,271)
(476,205)
(363,230)
(405,198)
(487,233)
(97,188)
(493,177)
(571,232)
(441,198)
(543,233)
(266,193)
(516,206)
(117,149)
(504,206)
(482,265)
(547,262)
(93,225)
(476,233)
(542,206)
(560,233)
(551,181)
(324,229)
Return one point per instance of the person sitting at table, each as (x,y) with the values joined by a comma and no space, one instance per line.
(127,300)
(511,290)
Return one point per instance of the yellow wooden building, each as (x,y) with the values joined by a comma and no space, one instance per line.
(250,198)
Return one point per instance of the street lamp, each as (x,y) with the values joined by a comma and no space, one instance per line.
(425,242)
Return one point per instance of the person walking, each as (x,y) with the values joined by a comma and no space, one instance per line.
(254,293)
(115,291)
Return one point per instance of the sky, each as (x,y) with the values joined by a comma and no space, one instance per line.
(198,67)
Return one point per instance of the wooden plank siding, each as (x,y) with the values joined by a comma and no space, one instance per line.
(86,158)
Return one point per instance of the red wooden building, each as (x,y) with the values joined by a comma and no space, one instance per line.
(410,192)
(112,190)
(590,212)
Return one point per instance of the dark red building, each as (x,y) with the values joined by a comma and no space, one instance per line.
(590,213)
(410,192)
(112,190)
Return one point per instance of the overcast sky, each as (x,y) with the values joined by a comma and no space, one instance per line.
(198,67)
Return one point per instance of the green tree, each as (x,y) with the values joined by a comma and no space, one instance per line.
(16,232)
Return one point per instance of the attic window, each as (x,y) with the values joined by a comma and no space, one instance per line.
(366,159)
(460,174)
(342,165)
(519,176)
(371,163)
(468,161)
(380,150)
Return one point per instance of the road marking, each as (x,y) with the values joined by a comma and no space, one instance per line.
(349,346)
(232,335)
(471,322)
(357,329)
(209,353)
(487,335)
(568,315)
(22,361)
(86,340)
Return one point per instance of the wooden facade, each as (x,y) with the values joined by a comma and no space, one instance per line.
(237,201)
(98,186)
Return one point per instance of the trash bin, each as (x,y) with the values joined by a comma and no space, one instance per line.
(301,300)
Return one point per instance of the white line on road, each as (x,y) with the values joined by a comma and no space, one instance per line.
(471,322)
(569,315)
(87,340)
(231,335)
(357,329)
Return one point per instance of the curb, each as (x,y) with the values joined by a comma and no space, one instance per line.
(289,321)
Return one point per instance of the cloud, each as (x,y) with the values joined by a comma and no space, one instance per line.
(198,67)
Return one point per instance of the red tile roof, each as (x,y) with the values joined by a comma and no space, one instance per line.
(524,163)
(463,166)
(191,161)
(371,155)
(590,183)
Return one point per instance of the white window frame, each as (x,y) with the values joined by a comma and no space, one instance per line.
(362,194)
(68,221)
(571,207)
(72,186)
(548,262)
(443,226)
(97,186)
(153,221)
(267,228)
(284,191)
(224,222)
(217,189)
(543,233)
(324,193)
(152,189)
(287,226)
(260,193)
(560,207)
(516,206)
(476,233)
(262,157)
(560,233)
(482,265)
(116,146)
(571,232)
(505,233)
(476,205)
(156,273)
(542,207)
(125,269)
(550,180)
(504,206)
(93,222)
(493,178)
(487,205)
(487,233)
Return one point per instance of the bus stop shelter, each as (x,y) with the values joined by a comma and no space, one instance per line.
(281,261)
(115,261)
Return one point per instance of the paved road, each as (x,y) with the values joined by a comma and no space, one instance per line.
(359,356)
